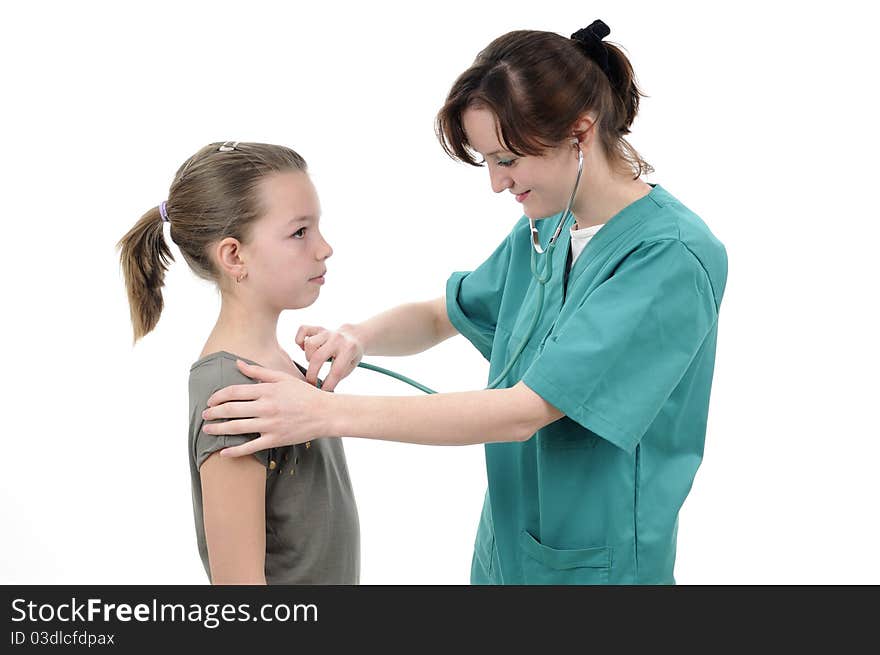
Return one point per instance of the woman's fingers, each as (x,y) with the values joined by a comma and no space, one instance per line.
(306,331)
(316,361)
(338,370)
(321,345)
(233,409)
(240,426)
(261,373)
(261,443)
(235,392)
(314,342)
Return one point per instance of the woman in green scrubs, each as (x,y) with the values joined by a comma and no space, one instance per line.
(595,432)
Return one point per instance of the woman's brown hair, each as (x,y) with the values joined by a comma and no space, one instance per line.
(538,84)
(214,195)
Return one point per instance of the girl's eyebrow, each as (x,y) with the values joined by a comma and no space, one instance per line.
(301,219)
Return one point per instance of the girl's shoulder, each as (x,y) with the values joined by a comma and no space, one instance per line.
(217,359)
(220,361)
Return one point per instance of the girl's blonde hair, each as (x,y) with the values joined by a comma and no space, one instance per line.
(214,195)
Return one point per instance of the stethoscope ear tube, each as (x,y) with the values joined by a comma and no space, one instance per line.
(536,241)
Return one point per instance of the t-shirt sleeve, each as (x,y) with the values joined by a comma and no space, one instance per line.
(473,298)
(616,362)
(206,444)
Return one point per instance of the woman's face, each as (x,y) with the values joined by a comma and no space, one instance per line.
(546,180)
(286,252)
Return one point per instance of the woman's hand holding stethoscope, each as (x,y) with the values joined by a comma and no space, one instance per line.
(320,344)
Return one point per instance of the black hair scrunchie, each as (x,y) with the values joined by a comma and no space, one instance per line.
(590,39)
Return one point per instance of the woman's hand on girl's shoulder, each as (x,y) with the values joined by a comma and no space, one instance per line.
(320,344)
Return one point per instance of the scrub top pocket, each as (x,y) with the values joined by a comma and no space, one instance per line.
(543,565)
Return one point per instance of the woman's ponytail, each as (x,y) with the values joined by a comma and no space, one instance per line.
(623,84)
(144,257)
(626,96)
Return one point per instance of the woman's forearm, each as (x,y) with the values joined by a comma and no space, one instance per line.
(445,419)
(403,330)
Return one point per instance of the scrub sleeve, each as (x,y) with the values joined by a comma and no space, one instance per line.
(473,299)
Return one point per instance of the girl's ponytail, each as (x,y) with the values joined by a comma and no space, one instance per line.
(144,257)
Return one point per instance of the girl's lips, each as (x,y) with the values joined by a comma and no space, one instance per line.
(522,196)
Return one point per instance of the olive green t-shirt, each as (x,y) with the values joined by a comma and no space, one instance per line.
(312,528)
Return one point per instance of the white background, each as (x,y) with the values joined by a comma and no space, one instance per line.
(762,118)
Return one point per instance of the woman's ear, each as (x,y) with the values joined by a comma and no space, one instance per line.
(583,128)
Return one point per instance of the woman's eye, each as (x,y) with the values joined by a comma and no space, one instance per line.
(504,163)
(300,233)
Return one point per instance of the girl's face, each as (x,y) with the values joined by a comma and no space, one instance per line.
(546,181)
(285,257)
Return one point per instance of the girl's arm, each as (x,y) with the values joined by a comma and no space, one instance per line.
(234,508)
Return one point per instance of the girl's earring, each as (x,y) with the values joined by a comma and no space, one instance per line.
(241,277)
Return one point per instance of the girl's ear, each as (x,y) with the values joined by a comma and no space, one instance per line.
(228,257)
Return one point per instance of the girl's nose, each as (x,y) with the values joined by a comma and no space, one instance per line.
(327,251)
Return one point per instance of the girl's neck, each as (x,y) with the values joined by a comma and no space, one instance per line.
(248,331)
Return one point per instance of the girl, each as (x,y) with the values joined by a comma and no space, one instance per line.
(601,350)
(246,216)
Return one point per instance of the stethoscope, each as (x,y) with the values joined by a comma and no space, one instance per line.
(542,277)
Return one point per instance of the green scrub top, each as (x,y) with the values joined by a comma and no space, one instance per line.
(625,348)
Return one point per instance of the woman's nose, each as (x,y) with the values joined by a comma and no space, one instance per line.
(499,180)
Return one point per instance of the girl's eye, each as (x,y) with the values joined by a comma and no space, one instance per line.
(300,233)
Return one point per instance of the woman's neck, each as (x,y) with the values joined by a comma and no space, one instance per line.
(603,193)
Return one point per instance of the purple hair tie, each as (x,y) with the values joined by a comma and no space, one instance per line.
(164,212)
